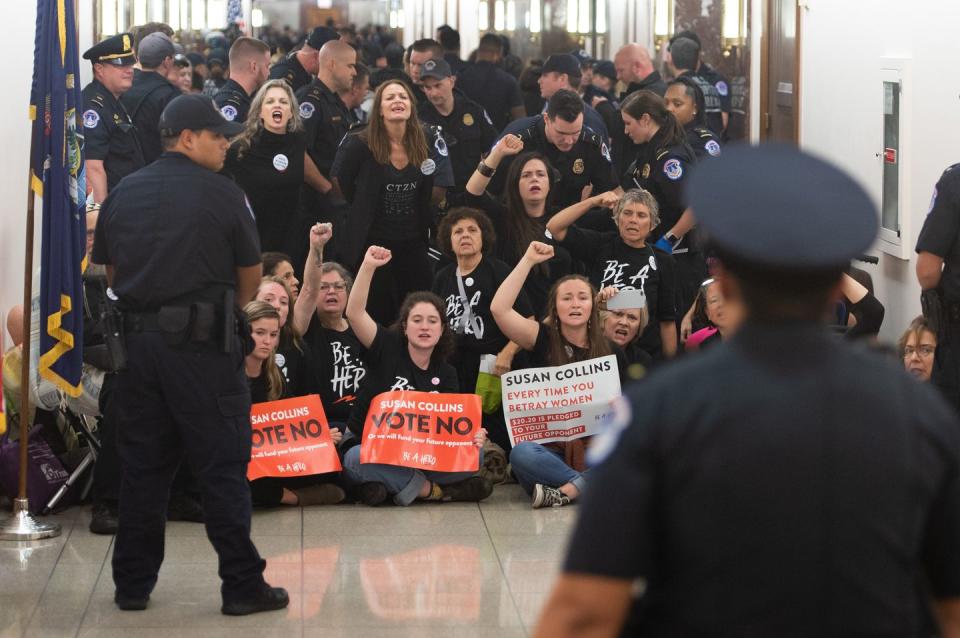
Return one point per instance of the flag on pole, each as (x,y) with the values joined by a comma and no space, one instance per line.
(56,175)
(234,12)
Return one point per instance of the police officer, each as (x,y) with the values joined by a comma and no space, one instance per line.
(684,59)
(490,86)
(249,66)
(580,156)
(184,392)
(938,270)
(151,92)
(299,67)
(465,125)
(787,483)
(111,150)
(719,81)
(685,100)
(562,71)
(663,166)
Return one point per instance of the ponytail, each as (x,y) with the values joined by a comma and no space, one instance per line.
(646,102)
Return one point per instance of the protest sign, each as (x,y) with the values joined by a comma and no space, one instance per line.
(291,438)
(560,403)
(423,430)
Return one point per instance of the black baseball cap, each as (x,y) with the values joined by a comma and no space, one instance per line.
(195,112)
(582,57)
(562,63)
(605,69)
(320,36)
(755,209)
(437,69)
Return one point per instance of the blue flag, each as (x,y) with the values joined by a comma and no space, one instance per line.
(56,175)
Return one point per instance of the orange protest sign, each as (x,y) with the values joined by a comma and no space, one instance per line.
(291,438)
(423,430)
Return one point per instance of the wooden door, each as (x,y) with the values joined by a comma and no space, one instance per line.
(780,73)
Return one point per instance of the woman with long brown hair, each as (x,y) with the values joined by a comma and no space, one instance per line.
(571,331)
(391,173)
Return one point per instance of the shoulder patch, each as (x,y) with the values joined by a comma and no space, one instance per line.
(614,422)
(229,112)
(673,169)
(722,88)
(306,110)
(712,148)
(90,119)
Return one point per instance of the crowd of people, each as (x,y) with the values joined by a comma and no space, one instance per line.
(415,215)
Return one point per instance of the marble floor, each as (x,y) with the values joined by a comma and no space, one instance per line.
(452,570)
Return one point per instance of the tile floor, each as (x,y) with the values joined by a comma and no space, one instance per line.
(454,570)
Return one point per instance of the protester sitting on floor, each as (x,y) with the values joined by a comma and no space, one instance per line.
(279,265)
(554,473)
(267,384)
(623,326)
(293,356)
(917,346)
(410,356)
(467,287)
(719,317)
(625,260)
(338,356)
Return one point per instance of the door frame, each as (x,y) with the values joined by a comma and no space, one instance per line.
(765,71)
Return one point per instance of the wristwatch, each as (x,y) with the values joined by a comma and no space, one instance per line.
(673,240)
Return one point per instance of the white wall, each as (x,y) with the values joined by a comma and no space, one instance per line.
(15,126)
(843,49)
(280,13)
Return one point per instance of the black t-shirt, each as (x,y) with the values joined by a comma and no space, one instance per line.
(941,230)
(270,173)
(297,368)
(390,368)
(259,389)
(541,278)
(481,334)
(610,262)
(174,229)
(338,359)
(397,218)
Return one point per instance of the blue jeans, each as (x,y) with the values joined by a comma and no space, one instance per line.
(404,483)
(533,463)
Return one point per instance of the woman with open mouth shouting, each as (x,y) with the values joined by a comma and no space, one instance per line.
(392,173)
(269,161)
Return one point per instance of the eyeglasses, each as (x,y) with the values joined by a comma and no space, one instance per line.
(923,351)
(339,286)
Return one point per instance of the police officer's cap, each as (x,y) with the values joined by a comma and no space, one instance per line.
(320,36)
(605,68)
(434,68)
(562,63)
(116,50)
(582,56)
(195,112)
(773,206)
(196,59)
(217,56)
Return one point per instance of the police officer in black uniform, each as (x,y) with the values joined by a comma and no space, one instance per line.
(299,67)
(786,483)
(719,81)
(663,166)
(684,59)
(938,270)
(111,149)
(579,155)
(685,100)
(249,68)
(465,125)
(181,250)
(151,92)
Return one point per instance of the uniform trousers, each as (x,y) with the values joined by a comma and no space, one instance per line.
(172,402)
(946,364)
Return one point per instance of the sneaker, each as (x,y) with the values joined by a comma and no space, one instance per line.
(131,603)
(323,494)
(104,519)
(372,493)
(544,496)
(471,490)
(269,599)
(494,463)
